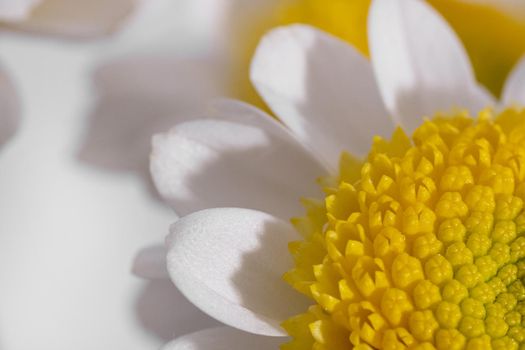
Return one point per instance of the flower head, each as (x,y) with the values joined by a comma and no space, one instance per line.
(422,244)
(419,245)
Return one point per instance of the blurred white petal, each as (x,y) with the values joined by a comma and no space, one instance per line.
(16,10)
(223,338)
(229,263)
(210,18)
(514,89)
(420,64)
(76,18)
(150,263)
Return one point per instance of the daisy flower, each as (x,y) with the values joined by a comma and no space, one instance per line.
(75,18)
(146,92)
(419,240)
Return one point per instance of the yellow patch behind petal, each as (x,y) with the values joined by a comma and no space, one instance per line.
(342,18)
(494,39)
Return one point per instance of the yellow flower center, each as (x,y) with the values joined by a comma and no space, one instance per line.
(422,246)
(494,39)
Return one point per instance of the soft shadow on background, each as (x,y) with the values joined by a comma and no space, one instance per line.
(69,232)
(136,98)
(166,313)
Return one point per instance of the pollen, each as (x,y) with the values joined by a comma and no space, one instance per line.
(421,245)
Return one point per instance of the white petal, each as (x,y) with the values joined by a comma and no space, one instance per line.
(79,18)
(150,263)
(514,90)
(16,10)
(248,160)
(210,18)
(9,107)
(223,338)
(229,263)
(420,64)
(153,27)
(322,89)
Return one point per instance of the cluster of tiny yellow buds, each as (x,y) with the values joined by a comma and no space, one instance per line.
(421,246)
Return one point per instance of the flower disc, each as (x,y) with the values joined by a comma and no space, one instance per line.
(421,246)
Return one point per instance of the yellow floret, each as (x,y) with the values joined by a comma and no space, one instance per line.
(391,267)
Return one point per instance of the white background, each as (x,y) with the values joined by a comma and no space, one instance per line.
(69,232)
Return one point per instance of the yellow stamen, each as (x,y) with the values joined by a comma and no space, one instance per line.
(421,246)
